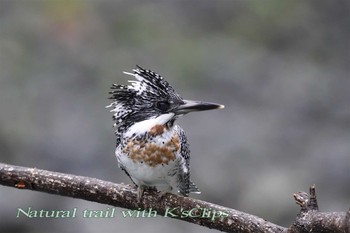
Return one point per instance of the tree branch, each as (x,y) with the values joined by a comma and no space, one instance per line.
(170,205)
(311,220)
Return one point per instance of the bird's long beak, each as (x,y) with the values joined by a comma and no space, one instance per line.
(194,106)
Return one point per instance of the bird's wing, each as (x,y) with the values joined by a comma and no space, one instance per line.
(186,186)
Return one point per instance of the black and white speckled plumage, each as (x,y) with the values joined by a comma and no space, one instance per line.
(140,100)
(150,149)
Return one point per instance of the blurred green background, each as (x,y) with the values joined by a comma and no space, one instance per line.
(281,68)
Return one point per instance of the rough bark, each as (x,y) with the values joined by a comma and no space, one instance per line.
(182,208)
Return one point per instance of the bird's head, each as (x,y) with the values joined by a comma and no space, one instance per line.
(149,97)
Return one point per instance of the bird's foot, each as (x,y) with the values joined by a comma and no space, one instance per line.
(140,190)
(162,194)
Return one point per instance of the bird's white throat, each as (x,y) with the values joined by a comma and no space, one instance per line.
(145,126)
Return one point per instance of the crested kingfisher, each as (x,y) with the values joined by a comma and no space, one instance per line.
(151,150)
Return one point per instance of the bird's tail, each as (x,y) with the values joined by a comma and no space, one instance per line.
(193,188)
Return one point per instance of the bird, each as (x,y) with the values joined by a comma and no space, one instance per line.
(150,148)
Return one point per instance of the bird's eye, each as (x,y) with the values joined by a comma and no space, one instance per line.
(163,106)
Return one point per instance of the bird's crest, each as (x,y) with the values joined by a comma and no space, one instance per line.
(146,97)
